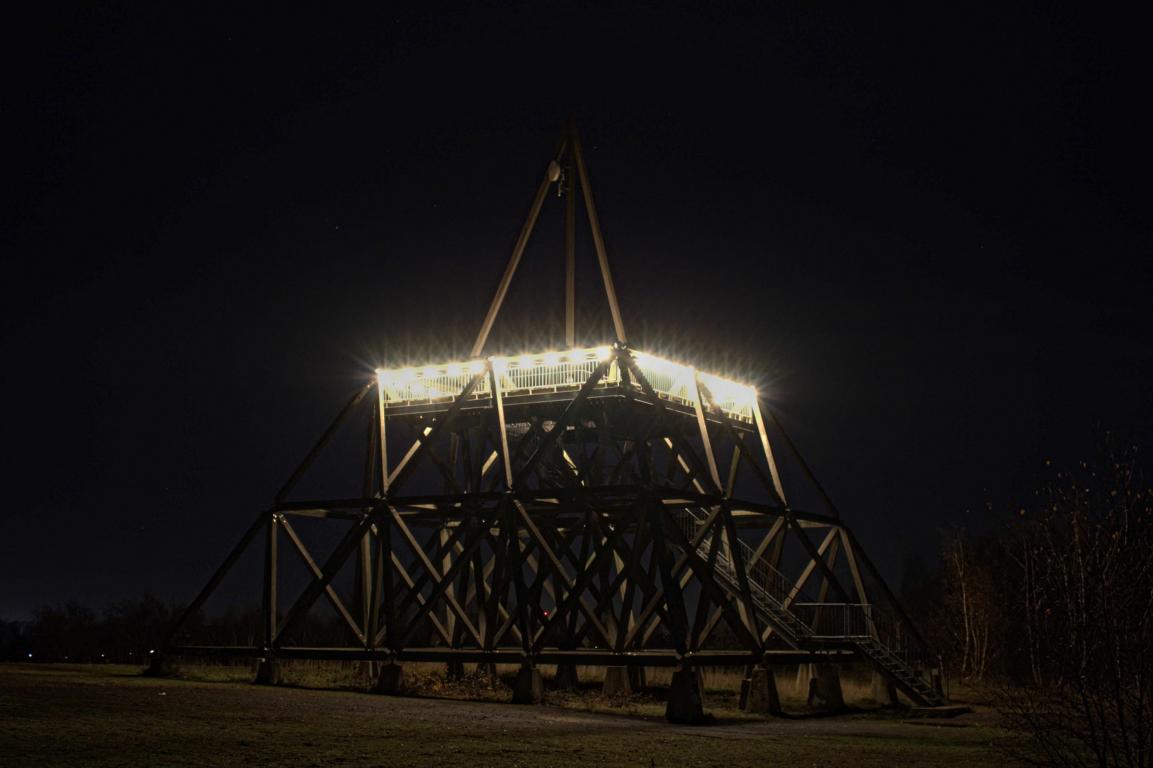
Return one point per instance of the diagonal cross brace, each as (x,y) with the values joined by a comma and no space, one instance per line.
(562,423)
(316,573)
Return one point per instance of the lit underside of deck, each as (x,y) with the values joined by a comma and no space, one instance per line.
(547,374)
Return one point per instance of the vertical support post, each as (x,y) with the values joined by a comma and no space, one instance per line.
(364,585)
(570,246)
(270,601)
(479,573)
(763,698)
(585,553)
(364,571)
(674,598)
(384,578)
(823,591)
(450,593)
(382,561)
(380,431)
(513,562)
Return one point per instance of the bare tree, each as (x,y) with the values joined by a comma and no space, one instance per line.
(972,607)
(1085,557)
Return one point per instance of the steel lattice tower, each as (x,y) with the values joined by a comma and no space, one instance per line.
(596,506)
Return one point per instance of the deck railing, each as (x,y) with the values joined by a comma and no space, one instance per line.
(553,372)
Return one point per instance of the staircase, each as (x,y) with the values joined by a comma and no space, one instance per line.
(902,675)
(877,638)
(769,588)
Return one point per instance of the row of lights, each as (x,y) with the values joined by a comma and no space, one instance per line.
(723,389)
(500,364)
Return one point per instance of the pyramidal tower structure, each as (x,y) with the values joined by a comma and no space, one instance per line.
(577,506)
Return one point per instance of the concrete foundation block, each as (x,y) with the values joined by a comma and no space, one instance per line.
(805,673)
(637,678)
(883,691)
(936,679)
(825,689)
(762,698)
(365,673)
(685,704)
(529,687)
(160,665)
(454,670)
(617,682)
(268,672)
(566,677)
(390,679)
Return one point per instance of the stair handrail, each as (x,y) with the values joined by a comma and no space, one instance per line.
(876,630)
(769,587)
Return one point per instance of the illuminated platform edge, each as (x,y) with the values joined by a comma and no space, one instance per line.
(549,373)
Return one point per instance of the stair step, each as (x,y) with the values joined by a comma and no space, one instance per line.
(794,628)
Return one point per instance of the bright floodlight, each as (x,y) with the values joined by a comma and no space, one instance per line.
(552,372)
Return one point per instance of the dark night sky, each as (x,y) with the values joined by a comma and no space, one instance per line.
(925,233)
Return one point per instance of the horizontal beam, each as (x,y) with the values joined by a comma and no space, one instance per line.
(586,657)
(584,494)
(514,403)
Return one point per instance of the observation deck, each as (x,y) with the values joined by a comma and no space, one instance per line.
(549,376)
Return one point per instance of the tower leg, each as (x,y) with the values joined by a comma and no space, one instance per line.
(805,673)
(159,665)
(390,679)
(365,673)
(566,677)
(763,698)
(685,704)
(825,688)
(616,682)
(268,672)
(883,691)
(529,688)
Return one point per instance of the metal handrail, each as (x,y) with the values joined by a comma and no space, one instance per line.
(770,588)
(836,620)
(877,630)
(553,372)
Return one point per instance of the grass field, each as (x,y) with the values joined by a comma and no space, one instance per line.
(58,715)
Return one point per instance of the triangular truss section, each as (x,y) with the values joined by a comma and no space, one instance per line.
(568,173)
